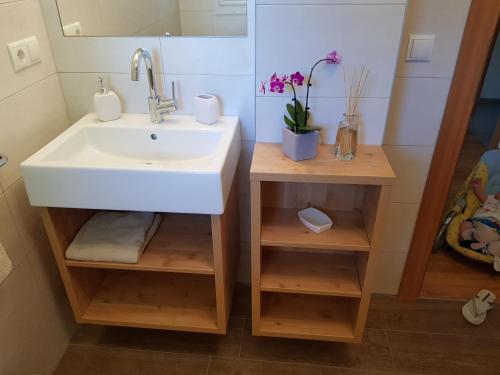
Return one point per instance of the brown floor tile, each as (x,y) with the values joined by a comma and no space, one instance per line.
(85,360)
(373,353)
(230,366)
(345,371)
(88,334)
(445,354)
(172,341)
(493,320)
(450,275)
(422,316)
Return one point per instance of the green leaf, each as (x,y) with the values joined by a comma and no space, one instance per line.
(307,129)
(289,122)
(300,109)
(291,110)
(301,114)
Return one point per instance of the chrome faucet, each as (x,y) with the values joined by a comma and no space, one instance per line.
(157,106)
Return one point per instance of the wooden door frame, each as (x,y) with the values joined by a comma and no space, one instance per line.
(479,34)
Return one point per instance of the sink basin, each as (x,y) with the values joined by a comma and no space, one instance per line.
(131,164)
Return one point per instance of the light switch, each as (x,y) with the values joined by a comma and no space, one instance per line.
(34,48)
(420,47)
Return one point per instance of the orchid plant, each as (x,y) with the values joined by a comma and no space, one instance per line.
(299,115)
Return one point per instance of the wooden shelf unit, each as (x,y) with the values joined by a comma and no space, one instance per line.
(182,244)
(310,273)
(282,227)
(308,317)
(150,300)
(307,285)
(184,280)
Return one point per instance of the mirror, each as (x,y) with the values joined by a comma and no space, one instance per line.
(153,17)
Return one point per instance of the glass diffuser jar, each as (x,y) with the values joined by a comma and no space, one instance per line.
(346,142)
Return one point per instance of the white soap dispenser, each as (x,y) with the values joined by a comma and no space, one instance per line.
(106,103)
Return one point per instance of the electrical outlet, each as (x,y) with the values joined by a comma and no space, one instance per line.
(24,53)
(19,55)
(72,29)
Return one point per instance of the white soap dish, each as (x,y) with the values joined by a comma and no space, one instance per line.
(315,220)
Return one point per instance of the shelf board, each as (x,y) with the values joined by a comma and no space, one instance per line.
(182,244)
(282,227)
(369,167)
(308,317)
(154,300)
(310,273)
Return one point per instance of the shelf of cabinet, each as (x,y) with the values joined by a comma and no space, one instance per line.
(282,227)
(369,167)
(153,300)
(310,273)
(308,317)
(182,244)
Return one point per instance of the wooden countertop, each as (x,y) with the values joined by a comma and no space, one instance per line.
(370,167)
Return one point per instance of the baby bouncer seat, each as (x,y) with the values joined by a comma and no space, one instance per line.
(466,204)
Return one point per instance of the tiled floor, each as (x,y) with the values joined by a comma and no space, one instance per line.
(427,337)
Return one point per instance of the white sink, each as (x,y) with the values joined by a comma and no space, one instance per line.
(131,164)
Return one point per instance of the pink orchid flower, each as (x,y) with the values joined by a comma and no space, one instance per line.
(333,58)
(297,79)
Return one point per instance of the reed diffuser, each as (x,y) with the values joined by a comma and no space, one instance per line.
(346,142)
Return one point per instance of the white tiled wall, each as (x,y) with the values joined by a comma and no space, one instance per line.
(293,35)
(122,17)
(35,323)
(354,27)
(416,110)
(208,17)
(221,66)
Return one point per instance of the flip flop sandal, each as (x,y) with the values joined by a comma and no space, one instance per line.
(484,300)
(469,313)
(474,311)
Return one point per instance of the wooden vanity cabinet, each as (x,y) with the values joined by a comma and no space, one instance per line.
(184,280)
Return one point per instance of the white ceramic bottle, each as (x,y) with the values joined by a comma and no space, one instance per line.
(107,105)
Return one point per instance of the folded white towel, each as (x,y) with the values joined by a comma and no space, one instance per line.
(5,264)
(119,237)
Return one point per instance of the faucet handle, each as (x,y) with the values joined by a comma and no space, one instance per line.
(173,90)
(165,106)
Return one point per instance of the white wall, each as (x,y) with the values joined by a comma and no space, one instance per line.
(222,66)
(119,17)
(292,36)
(416,110)
(364,31)
(35,321)
(207,17)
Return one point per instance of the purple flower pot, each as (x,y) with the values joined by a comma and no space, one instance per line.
(300,146)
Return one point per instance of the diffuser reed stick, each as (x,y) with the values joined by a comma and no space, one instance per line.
(354,85)
(347,135)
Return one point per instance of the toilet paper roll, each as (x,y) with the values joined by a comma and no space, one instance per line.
(206,109)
